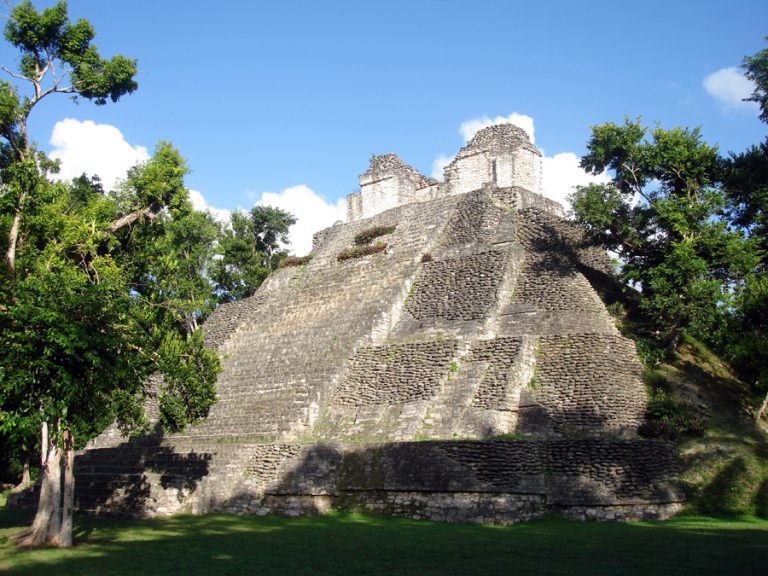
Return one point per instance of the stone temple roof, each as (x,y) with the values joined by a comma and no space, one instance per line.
(499,136)
(391,163)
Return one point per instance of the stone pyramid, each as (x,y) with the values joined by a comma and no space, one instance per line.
(467,371)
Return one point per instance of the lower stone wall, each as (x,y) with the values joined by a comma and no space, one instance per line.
(619,513)
(498,482)
(482,508)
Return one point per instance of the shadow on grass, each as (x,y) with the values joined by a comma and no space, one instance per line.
(726,473)
(342,544)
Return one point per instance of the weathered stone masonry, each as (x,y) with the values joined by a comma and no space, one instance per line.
(351,383)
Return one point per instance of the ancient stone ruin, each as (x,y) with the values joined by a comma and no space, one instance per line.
(467,371)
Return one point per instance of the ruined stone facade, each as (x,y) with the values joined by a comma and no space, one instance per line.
(500,156)
(469,372)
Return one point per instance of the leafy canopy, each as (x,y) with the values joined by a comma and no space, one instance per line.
(50,43)
(662,214)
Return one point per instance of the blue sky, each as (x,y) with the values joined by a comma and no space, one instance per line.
(292,98)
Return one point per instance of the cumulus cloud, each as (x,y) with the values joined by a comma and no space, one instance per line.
(729,87)
(439,164)
(470,127)
(561,173)
(200,203)
(91,148)
(311,210)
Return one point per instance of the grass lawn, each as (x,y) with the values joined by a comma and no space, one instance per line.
(355,544)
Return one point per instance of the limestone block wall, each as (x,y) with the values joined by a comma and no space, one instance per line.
(527,199)
(354,206)
(552,295)
(460,288)
(497,482)
(499,156)
(470,172)
(389,182)
(228,318)
(498,355)
(584,382)
(464,480)
(395,373)
(279,375)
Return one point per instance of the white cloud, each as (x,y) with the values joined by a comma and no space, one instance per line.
(439,164)
(87,147)
(311,210)
(561,173)
(199,202)
(470,127)
(729,87)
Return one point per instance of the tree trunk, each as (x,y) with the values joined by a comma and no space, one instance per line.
(673,339)
(64,537)
(26,479)
(47,524)
(762,408)
(13,236)
(35,534)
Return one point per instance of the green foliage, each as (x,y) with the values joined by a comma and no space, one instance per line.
(95,313)
(168,253)
(691,231)
(49,42)
(369,234)
(746,184)
(157,183)
(666,418)
(360,251)
(662,214)
(535,381)
(748,334)
(188,389)
(756,69)
(250,249)
(734,489)
(68,326)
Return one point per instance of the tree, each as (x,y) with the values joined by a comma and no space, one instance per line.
(746,174)
(756,69)
(662,214)
(57,56)
(88,310)
(170,261)
(251,248)
(82,337)
(746,186)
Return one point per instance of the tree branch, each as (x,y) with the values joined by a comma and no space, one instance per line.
(18,76)
(129,219)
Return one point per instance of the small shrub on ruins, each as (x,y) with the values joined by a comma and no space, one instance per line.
(667,418)
(294,261)
(534,383)
(369,234)
(360,251)
(426,257)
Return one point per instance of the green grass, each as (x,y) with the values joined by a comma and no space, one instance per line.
(342,544)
